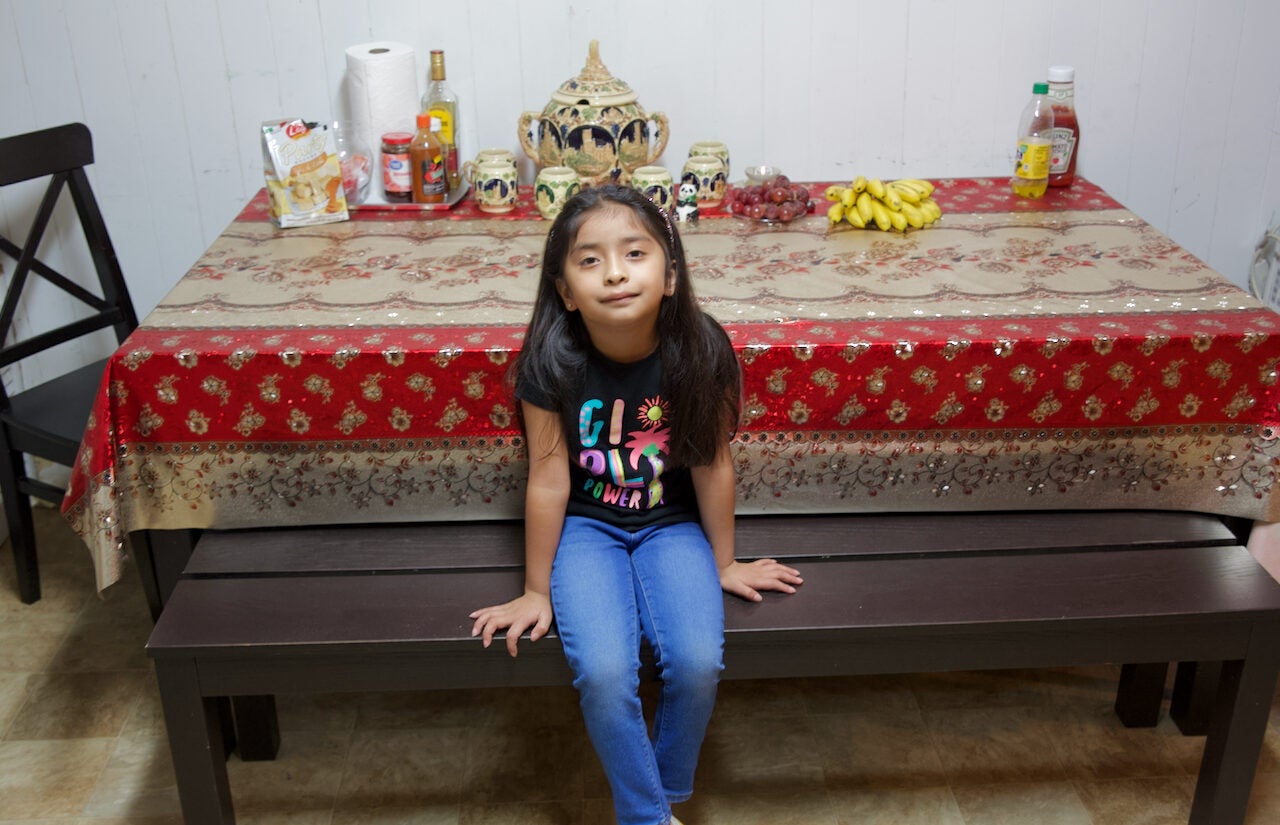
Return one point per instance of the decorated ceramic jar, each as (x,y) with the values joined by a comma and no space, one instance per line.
(593,125)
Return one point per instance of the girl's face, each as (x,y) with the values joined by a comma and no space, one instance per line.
(616,275)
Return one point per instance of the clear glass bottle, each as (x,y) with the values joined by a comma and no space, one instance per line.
(1066,128)
(441,103)
(1035,145)
(355,160)
(426,156)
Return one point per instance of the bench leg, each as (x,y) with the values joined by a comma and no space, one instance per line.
(257,727)
(1140,694)
(1195,684)
(195,743)
(1235,736)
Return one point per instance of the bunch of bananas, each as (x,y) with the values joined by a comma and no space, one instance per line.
(898,204)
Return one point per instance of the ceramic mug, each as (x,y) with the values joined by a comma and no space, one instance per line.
(706,172)
(655,183)
(495,185)
(553,186)
(484,155)
(468,168)
(715,148)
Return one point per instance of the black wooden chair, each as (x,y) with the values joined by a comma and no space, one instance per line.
(48,420)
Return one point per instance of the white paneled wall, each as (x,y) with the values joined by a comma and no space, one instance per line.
(1179,100)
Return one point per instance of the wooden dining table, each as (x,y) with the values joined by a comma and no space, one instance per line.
(1051,354)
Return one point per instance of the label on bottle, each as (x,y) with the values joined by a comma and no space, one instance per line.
(430,172)
(1033,158)
(445,117)
(1062,94)
(396,175)
(1064,145)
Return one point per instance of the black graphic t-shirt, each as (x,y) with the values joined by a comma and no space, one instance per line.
(618,467)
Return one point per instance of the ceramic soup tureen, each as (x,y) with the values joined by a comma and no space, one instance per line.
(594,125)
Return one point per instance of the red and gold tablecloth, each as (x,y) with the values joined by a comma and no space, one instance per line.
(1051,354)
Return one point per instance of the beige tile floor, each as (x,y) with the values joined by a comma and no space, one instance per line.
(82,742)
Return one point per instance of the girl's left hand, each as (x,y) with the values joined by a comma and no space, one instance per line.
(747,580)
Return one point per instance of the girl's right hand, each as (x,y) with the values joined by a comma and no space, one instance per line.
(747,579)
(531,612)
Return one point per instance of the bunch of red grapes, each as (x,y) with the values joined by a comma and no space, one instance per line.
(776,200)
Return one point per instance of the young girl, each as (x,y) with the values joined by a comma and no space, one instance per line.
(630,396)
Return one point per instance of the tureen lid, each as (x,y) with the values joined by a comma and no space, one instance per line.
(595,84)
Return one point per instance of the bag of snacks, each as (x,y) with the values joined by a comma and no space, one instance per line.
(304,179)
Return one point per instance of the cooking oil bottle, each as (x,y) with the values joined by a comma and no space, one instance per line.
(1035,145)
(441,103)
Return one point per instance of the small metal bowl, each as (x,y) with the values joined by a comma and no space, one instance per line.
(757,175)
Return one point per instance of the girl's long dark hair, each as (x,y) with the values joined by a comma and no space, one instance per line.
(701,375)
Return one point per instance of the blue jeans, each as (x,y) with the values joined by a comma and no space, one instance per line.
(608,589)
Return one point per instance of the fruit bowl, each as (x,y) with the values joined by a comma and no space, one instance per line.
(777,200)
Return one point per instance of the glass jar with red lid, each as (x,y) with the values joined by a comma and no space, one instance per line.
(397,172)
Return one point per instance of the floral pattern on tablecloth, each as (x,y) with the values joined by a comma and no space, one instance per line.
(1052,355)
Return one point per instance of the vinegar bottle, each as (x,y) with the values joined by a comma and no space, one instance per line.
(1035,145)
(1066,129)
(427,162)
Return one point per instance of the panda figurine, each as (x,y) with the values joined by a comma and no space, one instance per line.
(687,203)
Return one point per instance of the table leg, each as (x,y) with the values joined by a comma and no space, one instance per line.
(160,556)
(257,727)
(227,723)
(1140,694)
(195,743)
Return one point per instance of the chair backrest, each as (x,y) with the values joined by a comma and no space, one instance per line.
(60,154)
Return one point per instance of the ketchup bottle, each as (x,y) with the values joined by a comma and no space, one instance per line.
(1066,129)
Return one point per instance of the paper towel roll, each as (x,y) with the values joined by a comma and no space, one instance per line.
(382,88)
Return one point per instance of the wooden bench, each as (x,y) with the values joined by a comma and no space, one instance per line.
(261,612)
